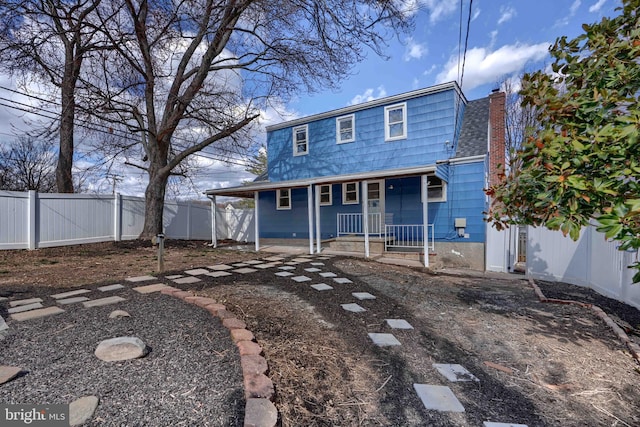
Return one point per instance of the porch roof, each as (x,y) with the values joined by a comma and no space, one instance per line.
(249,189)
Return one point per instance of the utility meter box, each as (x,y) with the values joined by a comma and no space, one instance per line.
(461,223)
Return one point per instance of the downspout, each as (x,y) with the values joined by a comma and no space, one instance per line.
(256,222)
(365,216)
(214,225)
(425,219)
(318,238)
(310,210)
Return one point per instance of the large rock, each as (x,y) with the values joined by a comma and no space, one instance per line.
(121,348)
(81,410)
(7,373)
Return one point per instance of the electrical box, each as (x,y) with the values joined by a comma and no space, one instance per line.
(461,223)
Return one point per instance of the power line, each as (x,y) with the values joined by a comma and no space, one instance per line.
(466,43)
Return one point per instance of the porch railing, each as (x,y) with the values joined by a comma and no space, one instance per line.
(407,237)
(351,224)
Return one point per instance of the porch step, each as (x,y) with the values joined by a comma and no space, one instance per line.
(356,244)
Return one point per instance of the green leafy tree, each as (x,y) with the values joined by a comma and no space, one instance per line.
(583,162)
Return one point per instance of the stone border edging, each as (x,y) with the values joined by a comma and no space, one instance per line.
(633,348)
(258,388)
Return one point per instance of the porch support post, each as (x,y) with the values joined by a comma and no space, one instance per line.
(256,215)
(318,242)
(310,211)
(214,224)
(365,216)
(425,218)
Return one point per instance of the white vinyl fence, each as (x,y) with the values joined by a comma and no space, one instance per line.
(30,220)
(591,261)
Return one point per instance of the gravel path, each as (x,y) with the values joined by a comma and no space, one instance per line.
(191,376)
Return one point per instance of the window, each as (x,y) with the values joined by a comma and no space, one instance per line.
(326,198)
(345,129)
(283,199)
(395,122)
(436,190)
(300,140)
(350,193)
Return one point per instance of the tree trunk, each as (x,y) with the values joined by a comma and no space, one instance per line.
(64,179)
(154,205)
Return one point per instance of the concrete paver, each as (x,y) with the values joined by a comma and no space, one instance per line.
(398,324)
(265,266)
(492,424)
(147,289)
(24,302)
(245,270)
(64,295)
(363,295)
(109,288)
(284,274)
(72,300)
(274,258)
(34,314)
(3,324)
(25,307)
(328,274)
(317,263)
(185,280)
(301,279)
(454,372)
(219,267)
(321,287)
(301,259)
(439,398)
(240,264)
(384,340)
(218,274)
(312,270)
(342,280)
(287,267)
(103,301)
(253,262)
(196,271)
(354,308)
(174,276)
(140,279)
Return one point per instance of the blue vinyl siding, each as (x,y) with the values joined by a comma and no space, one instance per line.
(430,124)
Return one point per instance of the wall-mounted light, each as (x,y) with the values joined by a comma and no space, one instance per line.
(390,187)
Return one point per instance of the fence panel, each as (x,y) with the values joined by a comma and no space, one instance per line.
(131,217)
(14,220)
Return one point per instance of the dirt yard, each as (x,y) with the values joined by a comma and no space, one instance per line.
(537,364)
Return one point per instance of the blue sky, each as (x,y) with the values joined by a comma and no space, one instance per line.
(505,39)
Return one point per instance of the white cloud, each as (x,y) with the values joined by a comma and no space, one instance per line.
(475,14)
(430,70)
(484,66)
(369,95)
(574,7)
(437,9)
(506,14)
(597,6)
(414,50)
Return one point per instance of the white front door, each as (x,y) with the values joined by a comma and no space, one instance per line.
(375,200)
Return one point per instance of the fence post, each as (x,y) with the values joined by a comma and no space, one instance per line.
(189,220)
(117,217)
(32,219)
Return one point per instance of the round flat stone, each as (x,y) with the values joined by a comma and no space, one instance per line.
(118,313)
(7,373)
(81,410)
(121,348)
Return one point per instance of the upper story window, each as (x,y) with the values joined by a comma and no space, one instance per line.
(436,189)
(300,140)
(395,122)
(326,198)
(345,129)
(283,198)
(350,193)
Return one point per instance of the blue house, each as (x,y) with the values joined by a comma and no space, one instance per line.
(404,173)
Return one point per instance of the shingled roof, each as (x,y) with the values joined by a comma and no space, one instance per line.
(475,129)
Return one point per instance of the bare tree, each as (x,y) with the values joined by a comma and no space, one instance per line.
(49,40)
(520,121)
(27,164)
(198,72)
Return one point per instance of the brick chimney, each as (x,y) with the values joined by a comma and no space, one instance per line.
(497,153)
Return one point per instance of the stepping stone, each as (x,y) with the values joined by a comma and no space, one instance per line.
(317,263)
(103,301)
(219,267)
(118,313)
(7,373)
(301,260)
(70,294)
(240,264)
(354,308)
(398,324)
(34,314)
(3,324)
(245,270)
(140,278)
(292,263)
(341,280)
(321,287)
(312,270)
(121,348)
(284,274)
(328,274)
(253,262)
(287,267)
(110,288)
(24,302)
(151,288)
(492,424)
(274,258)
(264,266)
(218,274)
(174,276)
(196,272)
(301,279)
(2,299)
(438,398)
(260,412)
(184,280)
(26,307)
(324,257)
(81,410)
(72,300)
(363,295)
(384,340)
(454,372)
